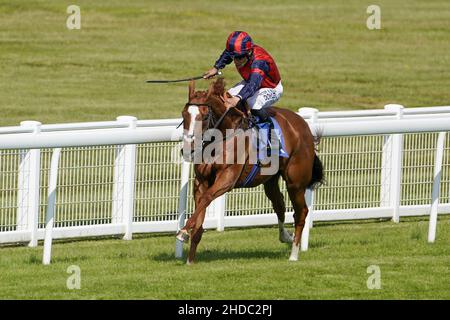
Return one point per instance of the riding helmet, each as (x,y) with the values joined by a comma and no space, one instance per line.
(239,43)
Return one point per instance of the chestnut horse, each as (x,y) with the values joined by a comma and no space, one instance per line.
(302,169)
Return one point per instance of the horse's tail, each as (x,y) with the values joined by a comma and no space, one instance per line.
(317,173)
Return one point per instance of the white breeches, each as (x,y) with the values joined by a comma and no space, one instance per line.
(262,98)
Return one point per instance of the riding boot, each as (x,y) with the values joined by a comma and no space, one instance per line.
(262,113)
(253,121)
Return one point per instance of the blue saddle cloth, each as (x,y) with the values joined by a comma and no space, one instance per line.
(263,143)
(265,131)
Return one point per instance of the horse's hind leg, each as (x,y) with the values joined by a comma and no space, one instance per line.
(272,190)
(298,175)
(297,196)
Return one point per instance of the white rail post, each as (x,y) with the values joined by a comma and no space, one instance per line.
(391,172)
(305,234)
(51,204)
(124,176)
(216,209)
(220,206)
(313,115)
(182,205)
(28,187)
(436,187)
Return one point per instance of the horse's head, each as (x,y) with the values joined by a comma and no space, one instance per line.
(195,113)
(204,111)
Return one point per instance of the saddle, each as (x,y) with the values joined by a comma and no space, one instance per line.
(261,142)
(264,130)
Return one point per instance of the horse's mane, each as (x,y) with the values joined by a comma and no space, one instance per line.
(217,87)
(215,96)
(216,90)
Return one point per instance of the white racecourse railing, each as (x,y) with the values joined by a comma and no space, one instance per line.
(126,176)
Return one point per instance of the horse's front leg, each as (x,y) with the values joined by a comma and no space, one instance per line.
(200,187)
(223,183)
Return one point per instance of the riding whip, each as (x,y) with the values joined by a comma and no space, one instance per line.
(179,80)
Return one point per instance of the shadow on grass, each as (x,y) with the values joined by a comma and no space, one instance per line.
(211,256)
(349,222)
(35,259)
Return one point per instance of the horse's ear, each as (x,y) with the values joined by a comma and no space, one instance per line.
(191,89)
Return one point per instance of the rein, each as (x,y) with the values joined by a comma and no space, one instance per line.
(221,118)
(213,124)
(210,115)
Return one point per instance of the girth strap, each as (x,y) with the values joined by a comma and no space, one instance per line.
(253,172)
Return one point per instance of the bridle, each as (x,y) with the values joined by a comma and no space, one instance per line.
(212,122)
(210,116)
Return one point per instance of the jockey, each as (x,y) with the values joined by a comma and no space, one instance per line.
(261,86)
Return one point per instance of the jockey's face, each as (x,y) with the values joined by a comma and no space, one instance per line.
(240,61)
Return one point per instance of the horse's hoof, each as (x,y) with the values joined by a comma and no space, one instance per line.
(189,263)
(183,236)
(294,253)
(293,257)
(286,237)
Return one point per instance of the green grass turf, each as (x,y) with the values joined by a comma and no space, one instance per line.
(327,56)
(242,264)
